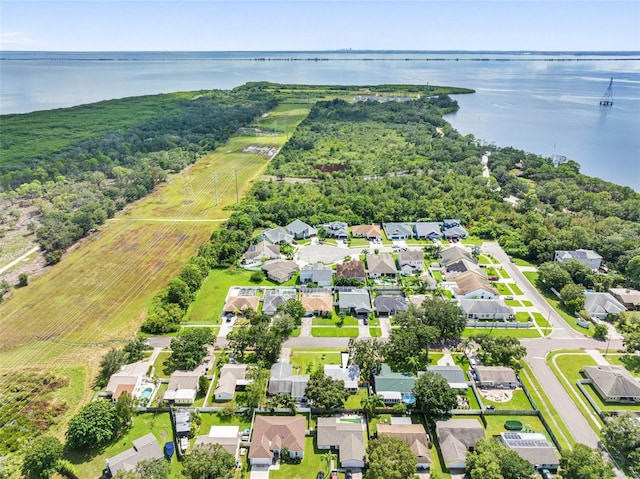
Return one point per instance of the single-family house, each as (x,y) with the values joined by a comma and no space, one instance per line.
(316,273)
(394,387)
(370,232)
(355,302)
(261,251)
(601,305)
(398,231)
(462,266)
(300,230)
(471,285)
(232,377)
(144,448)
(429,230)
(353,269)
(456,437)
(283,381)
(630,298)
(495,377)
(272,434)
(390,305)
(486,309)
(240,304)
(412,434)
(453,374)
(450,223)
(587,257)
(417,299)
(413,258)
(381,265)
(274,297)
(128,379)
(280,270)
(346,434)
(614,383)
(350,374)
(428,280)
(336,229)
(455,233)
(276,235)
(533,447)
(227,436)
(454,254)
(317,303)
(183,387)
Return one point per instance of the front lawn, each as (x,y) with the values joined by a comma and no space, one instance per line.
(375,332)
(516,289)
(522,262)
(333,321)
(512,302)
(513,332)
(504,274)
(522,317)
(334,332)
(308,361)
(527,303)
(502,288)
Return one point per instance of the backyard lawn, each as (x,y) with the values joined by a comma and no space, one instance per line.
(308,361)
(518,402)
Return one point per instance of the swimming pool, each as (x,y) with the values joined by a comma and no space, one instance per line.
(146,393)
(409,399)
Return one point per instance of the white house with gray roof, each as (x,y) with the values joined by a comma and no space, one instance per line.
(455,233)
(283,381)
(276,235)
(614,383)
(398,231)
(346,434)
(587,257)
(453,374)
(486,309)
(495,377)
(145,447)
(413,258)
(381,265)
(355,302)
(336,229)
(261,251)
(601,305)
(390,305)
(274,297)
(300,230)
(316,273)
(430,230)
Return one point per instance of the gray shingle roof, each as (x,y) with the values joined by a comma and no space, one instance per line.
(276,235)
(357,299)
(145,447)
(381,264)
(598,304)
(614,381)
(390,304)
(425,230)
(349,436)
(484,306)
(453,374)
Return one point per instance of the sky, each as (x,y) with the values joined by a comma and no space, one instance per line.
(239,25)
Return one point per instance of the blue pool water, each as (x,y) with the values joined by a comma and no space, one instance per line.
(146,393)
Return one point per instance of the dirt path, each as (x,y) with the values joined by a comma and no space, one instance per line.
(18,260)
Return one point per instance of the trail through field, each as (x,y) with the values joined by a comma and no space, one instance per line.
(17,260)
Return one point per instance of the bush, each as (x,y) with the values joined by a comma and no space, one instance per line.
(23,280)
(257,277)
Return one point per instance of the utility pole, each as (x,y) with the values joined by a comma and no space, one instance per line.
(215,186)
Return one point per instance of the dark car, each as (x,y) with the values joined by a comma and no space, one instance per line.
(320,475)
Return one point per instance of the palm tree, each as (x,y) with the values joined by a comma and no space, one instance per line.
(327,460)
(370,403)
(414,363)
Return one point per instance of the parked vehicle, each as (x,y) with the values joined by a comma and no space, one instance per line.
(320,475)
(546,474)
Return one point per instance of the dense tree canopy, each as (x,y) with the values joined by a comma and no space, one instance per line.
(491,460)
(209,461)
(41,457)
(582,462)
(188,350)
(390,458)
(621,434)
(94,425)
(499,350)
(434,396)
(325,392)
(368,354)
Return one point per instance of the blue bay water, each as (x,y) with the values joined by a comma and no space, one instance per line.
(546,104)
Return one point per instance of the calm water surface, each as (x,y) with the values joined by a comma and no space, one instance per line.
(542,103)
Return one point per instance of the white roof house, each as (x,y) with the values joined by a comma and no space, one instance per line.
(283,381)
(489,309)
(587,257)
(183,387)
